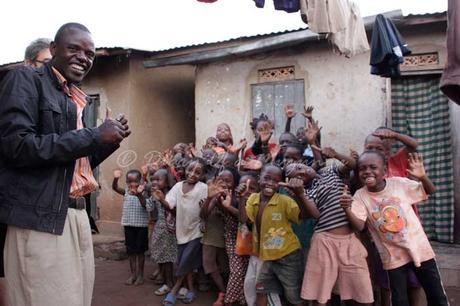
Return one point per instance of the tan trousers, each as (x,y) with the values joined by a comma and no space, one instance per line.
(43,269)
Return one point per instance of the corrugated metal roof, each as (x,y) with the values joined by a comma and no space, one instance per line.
(113,50)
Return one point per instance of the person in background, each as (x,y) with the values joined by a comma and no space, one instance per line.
(37,53)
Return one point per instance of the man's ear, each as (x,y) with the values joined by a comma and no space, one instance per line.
(53,48)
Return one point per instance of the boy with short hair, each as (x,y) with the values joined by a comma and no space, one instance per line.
(273,238)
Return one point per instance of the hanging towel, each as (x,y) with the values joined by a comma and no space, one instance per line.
(324,16)
(352,40)
(450,81)
(388,48)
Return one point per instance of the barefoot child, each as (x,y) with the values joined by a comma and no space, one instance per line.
(135,220)
(163,241)
(274,241)
(186,197)
(385,204)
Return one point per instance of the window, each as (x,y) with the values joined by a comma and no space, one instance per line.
(271,97)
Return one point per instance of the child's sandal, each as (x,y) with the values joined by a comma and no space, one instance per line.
(162,290)
(189,297)
(170,300)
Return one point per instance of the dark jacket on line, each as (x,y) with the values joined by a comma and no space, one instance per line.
(39,145)
(388,48)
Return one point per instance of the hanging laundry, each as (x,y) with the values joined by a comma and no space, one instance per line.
(259,3)
(388,48)
(289,6)
(207,1)
(352,40)
(324,16)
(450,81)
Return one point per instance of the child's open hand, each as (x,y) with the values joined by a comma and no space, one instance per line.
(416,168)
(296,185)
(312,132)
(308,112)
(145,169)
(117,173)
(158,195)
(328,152)
(385,134)
(354,154)
(346,199)
(216,188)
(243,190)
(289,111)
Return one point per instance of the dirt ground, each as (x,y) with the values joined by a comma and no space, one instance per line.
(110,290)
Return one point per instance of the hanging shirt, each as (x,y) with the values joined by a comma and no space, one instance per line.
(450,81)
(83,181)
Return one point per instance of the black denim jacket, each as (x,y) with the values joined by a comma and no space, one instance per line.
(39,145)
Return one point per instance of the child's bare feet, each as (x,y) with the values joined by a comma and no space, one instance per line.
(139,281)
(130,281)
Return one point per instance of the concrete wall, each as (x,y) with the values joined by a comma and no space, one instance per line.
(348,101)
(159,104)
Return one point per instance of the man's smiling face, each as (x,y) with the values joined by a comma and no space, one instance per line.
(73,54)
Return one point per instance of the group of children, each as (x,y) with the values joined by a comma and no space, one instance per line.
(284,224)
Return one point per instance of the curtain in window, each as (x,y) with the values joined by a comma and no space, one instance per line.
(420,110)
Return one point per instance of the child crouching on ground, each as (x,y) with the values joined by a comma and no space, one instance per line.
(271,214)
(385,204)
(135,220)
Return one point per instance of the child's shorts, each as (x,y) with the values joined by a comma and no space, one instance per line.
(136,239)
(189,257)
(214,259)
(337,259)
(282,276)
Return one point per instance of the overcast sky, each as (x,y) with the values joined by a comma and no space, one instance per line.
(161,24)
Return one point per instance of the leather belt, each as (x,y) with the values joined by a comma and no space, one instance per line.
(77,203)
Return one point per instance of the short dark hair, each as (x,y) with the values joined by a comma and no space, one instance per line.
(136,172)
(68,26)
(272,166)
(375,152)
(35,47)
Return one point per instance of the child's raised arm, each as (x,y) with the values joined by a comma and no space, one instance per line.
(349,163)
(138,194)
(307,206)
(160,197)
(345,202)
(417,170)
(242,192)
(290,113)
(116,176)
(409,142)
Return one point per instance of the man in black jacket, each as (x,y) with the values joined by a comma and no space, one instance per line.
(46,157)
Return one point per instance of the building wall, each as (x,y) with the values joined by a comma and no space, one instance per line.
(159,104)
(349,103)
